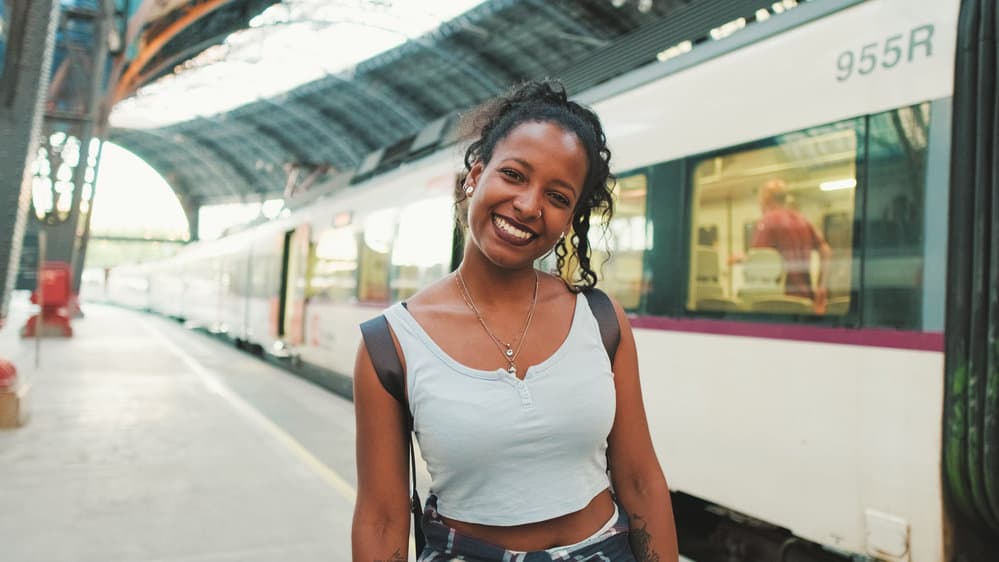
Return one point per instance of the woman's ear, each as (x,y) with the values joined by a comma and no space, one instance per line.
(474,173)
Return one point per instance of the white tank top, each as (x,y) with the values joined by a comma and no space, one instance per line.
(501,451)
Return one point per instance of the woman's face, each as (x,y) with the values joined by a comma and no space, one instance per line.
(525,195)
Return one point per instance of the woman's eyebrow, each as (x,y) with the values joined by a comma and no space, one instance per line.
(520,161)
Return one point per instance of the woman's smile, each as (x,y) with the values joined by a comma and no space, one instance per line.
(512,231)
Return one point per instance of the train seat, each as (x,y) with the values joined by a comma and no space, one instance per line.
(762,274)
(719,304)
(783,304)
(707,274)
(838,306)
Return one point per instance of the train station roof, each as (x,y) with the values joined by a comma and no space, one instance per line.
(398,103)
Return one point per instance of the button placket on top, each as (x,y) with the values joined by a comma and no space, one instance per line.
(526,400)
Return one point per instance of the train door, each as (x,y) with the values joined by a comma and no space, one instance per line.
(294,264)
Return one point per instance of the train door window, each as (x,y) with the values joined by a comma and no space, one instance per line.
(895,217)
(772,225)
(376,251)
(334,269)
(619,250)
(422,250)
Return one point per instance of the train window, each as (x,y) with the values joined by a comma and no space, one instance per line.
(624,241)
(422,250)
(894,218)
(772,225)
(334,265)
(376,250)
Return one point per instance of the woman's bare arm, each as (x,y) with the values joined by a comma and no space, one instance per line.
(638,479)
(380,531)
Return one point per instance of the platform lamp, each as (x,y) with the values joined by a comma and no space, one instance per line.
(57,171)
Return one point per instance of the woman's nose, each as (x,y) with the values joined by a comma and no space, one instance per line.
(528,204)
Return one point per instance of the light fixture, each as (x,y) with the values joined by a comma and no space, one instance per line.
(846,183)
(644,6)
(618,3)
(675,51)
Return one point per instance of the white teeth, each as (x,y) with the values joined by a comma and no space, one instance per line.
(510,229)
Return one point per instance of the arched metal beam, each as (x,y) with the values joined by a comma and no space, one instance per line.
(571,26)
(128,82)
(198,154)
(239,130)
(237,164)
(358,125)
(378,96)
(309,118)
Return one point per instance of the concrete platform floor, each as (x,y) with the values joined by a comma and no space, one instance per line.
(146,442)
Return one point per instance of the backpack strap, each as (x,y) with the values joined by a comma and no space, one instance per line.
(385,359)
(603,310)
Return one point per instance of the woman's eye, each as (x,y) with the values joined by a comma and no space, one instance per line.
(513,174)
(560,199)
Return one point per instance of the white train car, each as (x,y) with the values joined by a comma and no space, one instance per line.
(819,426)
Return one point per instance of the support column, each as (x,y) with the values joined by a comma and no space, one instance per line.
(192,210)
(23,84)
(78,109)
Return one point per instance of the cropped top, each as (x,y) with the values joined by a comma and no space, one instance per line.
(504,451)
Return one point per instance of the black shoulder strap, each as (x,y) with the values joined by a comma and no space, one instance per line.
(603,309)
(385,359)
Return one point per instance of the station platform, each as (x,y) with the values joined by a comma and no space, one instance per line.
(143,441)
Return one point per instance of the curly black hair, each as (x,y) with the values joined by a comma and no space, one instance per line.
(547,101)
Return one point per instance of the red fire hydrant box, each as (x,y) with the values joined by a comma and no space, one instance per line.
(10,399)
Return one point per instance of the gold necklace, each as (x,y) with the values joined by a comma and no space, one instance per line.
(505,348)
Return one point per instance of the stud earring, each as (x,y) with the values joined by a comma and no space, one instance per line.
(469,189)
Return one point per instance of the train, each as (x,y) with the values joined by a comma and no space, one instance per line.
(785,429)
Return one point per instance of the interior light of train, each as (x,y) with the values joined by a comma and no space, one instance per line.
(846,183)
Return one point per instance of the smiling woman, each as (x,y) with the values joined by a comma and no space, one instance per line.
(526,415)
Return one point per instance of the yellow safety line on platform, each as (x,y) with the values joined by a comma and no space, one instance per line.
(211,380)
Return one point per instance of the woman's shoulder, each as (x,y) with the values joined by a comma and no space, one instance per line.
(433,295)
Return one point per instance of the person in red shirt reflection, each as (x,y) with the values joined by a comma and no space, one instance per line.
(786,230)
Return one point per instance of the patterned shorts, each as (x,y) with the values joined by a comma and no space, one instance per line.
(444,543)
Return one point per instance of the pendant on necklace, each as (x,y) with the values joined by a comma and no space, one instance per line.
(509,352)
(512,369)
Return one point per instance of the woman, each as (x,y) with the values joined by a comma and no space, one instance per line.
(516,405)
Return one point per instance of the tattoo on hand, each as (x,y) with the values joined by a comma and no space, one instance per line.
(396,557)
(641,540)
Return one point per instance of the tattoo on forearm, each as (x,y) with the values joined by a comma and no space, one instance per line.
(397,556)
(641,540)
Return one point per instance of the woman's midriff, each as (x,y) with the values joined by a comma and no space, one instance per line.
(561,531)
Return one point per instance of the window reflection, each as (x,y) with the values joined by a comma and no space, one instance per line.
(625,241)
(376,249)
(334,269)
(422,251)
(772,228)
